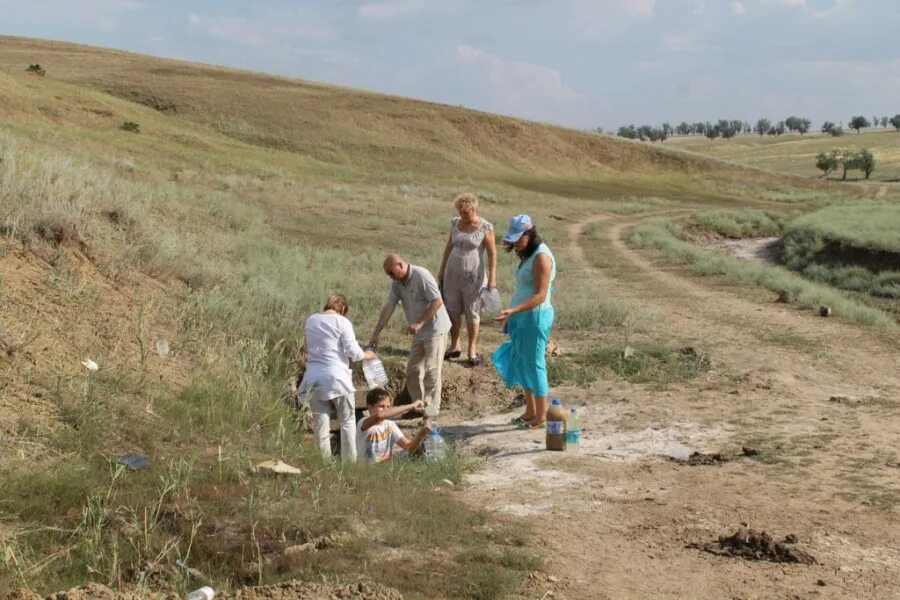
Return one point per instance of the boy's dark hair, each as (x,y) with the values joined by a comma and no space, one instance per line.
(377,395)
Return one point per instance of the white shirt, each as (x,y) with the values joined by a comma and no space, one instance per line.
(330,346)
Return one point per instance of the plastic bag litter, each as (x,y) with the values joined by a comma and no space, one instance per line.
(490,301)
(135,462)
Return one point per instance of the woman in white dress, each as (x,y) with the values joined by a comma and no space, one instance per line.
(328,382)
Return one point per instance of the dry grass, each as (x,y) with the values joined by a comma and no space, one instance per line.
(796,155)
(244,200)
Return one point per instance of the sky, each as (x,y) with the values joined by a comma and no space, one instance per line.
(579,63)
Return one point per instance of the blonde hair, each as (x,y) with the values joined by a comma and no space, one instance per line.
(337,303)
(466,201)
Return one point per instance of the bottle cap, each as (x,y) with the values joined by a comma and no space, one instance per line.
(571,410)
(556,402)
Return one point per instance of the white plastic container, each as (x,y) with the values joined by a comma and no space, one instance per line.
(375,374)
(204,593)
(490,301)
(435,446)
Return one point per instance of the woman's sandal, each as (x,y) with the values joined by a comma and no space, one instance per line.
(526,426)
(519,419)
(476,361)
(450,354)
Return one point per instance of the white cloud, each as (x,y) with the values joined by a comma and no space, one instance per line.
(523,89)
(389,9)
(738,8)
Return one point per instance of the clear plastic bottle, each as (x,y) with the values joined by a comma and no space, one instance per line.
(375,374)
(204,593)
(435,446)
(573,430)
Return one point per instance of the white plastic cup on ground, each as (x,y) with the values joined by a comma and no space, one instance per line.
(204,593)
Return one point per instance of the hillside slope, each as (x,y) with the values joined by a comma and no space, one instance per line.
(240,203)
(352,129)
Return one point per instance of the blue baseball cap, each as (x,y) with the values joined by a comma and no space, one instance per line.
(518,226)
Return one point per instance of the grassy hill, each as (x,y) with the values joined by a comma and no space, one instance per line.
(238,205)
(795,154)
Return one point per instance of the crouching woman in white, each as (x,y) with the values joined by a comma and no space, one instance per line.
(331,345)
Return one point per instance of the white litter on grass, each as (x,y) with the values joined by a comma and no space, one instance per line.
(277,466)
(162,348)
(90,365)
(447,482)
(525,510)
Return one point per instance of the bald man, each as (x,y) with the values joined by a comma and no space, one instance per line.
(416,289)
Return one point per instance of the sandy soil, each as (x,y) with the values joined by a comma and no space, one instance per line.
(764,248)
(813,401)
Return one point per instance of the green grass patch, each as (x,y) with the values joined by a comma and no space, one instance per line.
(641,363)
(870,224)
(740,223)
(859,254)
(659,235)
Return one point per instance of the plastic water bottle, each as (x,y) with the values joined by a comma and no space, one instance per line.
(435,446)
(556,426)
(573,430)
(490,301)
(375,375)
(204,593)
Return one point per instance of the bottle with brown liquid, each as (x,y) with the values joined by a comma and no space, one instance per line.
(556,426)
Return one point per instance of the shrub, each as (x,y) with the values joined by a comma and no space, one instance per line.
(826,162)
(131,126)
(740,223)
(36,70)
(799,247)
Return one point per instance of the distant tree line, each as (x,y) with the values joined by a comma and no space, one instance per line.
(728,128)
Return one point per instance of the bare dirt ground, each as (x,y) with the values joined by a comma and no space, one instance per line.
(764,249)
(802,412)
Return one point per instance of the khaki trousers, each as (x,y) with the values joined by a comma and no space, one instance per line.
(423,371)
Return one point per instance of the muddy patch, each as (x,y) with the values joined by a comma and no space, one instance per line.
(750,544)
(703,459)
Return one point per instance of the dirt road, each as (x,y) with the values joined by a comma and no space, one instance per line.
(814,402)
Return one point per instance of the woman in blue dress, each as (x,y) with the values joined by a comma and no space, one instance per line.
(521,360)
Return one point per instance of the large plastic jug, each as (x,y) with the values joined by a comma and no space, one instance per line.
(375,375)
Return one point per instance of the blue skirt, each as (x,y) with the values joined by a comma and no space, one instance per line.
(522,359)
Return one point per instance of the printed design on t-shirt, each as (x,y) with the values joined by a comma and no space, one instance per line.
(379,443)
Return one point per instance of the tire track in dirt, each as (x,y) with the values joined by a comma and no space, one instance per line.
(615,522)
(842,348)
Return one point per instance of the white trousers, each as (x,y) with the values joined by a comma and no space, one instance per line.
(345,408)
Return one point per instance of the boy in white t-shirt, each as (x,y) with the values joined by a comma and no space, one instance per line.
(377,434)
